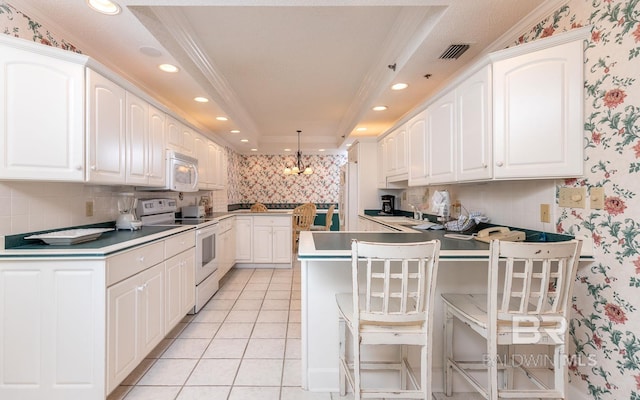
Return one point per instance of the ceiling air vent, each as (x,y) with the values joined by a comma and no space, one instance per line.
(454,51)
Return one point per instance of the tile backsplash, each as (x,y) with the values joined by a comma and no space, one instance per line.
(34,206)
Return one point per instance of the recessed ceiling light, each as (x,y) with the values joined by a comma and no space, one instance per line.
(244,140)
(235,131)
(222,118)
(287,149)
(320,149)
(361,129)
(254,149)
(348,144)
(104,6)
(201,99)
(379,108)
(399,86)
(168,68)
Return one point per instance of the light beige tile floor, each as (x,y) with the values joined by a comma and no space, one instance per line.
(243,345)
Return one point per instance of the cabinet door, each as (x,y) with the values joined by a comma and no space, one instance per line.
(156,148)
(137,142)
(390,154)
(106,130)
(173,292)
(151,309)
(122,343)
(281,244)
(474,127)
(41,117)
(202,154)
(188,141)
(441,130)
(188,279)
(401,161)
(244,242)
(173,131)
(418,166)
(537,105)
(262,244)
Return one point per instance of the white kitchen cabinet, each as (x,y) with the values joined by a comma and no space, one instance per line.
(135,315)
(41,117)
(180,137)
(537,111)
(418,152)
(202,155)
(244,242)
(441,139)
(106,136)
(156,148)
(179,288)
(180,280)
(225,243)
(218,162)
(272,239)
(52,334)
(473,103)
(137,140)
(396,159)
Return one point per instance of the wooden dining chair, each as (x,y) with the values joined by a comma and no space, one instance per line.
(302,219)
(328,221)
(393,306)
(259,207)
(531,307)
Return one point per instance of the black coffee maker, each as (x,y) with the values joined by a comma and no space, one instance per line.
(388,204)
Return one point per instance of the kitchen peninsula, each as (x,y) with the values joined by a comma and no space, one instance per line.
(326,270)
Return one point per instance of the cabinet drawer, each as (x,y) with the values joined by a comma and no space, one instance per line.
(272,221)
(179,243)
(225,224)
(131,262)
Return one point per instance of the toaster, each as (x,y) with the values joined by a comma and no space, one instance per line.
(193,212)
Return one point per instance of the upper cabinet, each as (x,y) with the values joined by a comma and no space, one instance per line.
(106,133)
(474,134)
(441,139)
(518,116)
(538,106)
(180,137)
(41,117)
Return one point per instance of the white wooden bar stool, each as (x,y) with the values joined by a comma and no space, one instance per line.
(394,307)
(531,309)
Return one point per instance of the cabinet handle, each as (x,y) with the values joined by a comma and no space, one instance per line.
(93,167)
(499,163)
(484,165)
(141,259)
(79,167)
(141,287)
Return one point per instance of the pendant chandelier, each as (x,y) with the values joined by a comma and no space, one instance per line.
(299,167)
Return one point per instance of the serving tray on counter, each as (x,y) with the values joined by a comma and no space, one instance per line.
(70,236)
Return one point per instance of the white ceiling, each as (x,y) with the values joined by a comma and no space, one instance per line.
(275,66)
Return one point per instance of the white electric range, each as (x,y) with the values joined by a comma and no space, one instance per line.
(162,212)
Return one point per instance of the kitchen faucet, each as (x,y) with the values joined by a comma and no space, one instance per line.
(417,214)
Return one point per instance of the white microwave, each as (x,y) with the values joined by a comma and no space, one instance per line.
(181,176)
(182,172)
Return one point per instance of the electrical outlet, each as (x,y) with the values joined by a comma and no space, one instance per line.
(596,194)
(545,213)
(88,208)
(573,197)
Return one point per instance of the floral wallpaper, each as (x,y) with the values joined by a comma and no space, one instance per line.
(18,24)
(606,320)
(260,178)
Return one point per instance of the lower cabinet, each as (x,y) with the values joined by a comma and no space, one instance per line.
(73,328)
(135,315)
(226,244)
(270,240)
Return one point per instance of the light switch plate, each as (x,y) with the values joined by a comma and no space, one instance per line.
(573,197)
(596,194)
(88,208)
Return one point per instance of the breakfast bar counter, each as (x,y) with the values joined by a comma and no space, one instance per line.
(325,259)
